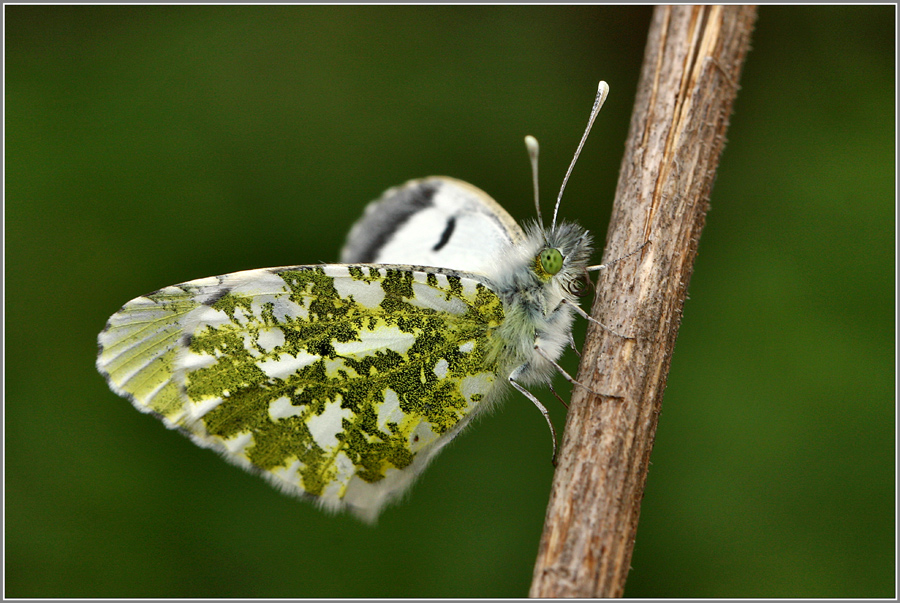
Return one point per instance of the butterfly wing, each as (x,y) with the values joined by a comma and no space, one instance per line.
(337,383)
(436,221)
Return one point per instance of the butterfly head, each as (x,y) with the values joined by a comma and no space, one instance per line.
(562,256)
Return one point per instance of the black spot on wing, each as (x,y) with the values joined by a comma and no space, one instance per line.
(445,236)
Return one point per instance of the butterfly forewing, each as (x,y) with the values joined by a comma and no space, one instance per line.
(335,382)
(436,221)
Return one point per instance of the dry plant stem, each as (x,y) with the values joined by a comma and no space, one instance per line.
(688,84)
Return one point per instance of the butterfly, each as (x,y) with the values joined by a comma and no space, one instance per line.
(339,383)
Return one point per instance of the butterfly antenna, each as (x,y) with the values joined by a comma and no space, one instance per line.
(602,91)
(531,144)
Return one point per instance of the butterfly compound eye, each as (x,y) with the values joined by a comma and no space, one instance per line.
(551,260)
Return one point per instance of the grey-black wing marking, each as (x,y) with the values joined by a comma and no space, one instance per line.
(435,221)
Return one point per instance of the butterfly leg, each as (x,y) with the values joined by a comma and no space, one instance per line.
(558,397)
(562,371)
(536,402)
(595,321)
(601,267)
(572,344)
(626,256)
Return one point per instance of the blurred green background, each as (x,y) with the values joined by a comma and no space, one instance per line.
(151,145)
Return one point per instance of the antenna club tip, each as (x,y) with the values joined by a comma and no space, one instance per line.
(531,144)
(602,91)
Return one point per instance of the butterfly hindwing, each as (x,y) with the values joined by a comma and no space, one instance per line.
(435,221)
(335,382)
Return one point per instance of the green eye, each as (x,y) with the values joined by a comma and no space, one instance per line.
(551,260)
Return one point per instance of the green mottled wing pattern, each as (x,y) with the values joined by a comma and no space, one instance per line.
(335,382)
